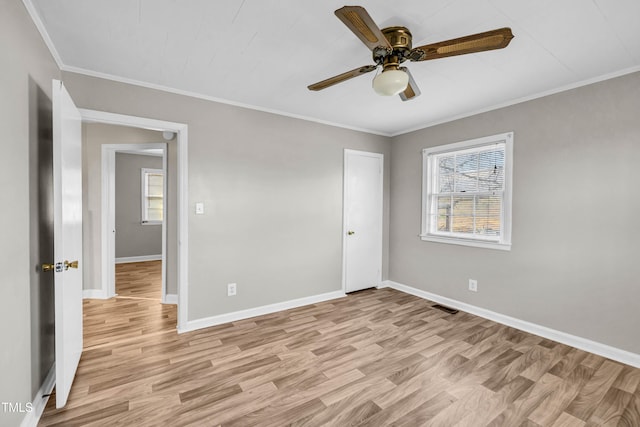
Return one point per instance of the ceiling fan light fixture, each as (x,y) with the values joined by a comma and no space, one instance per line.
(390,82)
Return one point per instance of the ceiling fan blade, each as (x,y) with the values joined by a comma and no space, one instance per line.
(342,77)
(359,21)
(412,89)
(489,40)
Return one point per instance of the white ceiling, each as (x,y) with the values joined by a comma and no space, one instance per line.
(263,54)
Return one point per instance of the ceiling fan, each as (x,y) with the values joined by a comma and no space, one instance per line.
(392,46)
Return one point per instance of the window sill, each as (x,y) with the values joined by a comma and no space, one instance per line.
(151,223)
(466,242)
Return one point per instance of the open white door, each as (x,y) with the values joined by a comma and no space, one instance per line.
(362,238)
(67,202)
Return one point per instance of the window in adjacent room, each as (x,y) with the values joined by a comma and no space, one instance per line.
(466,198)
(152,196)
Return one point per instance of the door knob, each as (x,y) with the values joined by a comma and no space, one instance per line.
(351,232)
(48,267)
(57,267)
(72,264)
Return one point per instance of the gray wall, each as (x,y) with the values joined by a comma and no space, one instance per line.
(132,237)
(574,261)
(27,70)
(272,188)
(94,135)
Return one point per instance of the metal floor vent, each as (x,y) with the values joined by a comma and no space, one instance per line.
(445,309)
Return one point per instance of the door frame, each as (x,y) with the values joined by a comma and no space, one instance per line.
(182,140)
(108,176)
(380,156)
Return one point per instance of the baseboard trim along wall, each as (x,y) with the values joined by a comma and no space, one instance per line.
(193,325)
(141,258)
(40,400)
(600,349)
(94,294)
(170,299)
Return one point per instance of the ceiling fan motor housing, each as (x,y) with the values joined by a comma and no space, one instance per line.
(400,40)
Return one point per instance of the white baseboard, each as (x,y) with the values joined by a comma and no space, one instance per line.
(170,299)
(600,349)
(141,258)
(40,400)
(94,294)
(193,325)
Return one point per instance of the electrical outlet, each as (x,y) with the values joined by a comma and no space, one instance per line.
(473,285)
(231,289)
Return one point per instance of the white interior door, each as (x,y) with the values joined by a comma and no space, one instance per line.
(363,186)
(67,201)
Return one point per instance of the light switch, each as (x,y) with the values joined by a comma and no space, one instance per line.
(199,208)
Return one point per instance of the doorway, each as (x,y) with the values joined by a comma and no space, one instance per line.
(362,223)
(138,215)
(134,194)
(102,232)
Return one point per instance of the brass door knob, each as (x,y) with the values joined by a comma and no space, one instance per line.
(72,264)
(48,267)
(351,232)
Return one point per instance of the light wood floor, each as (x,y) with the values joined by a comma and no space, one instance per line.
(139,280)
(375,358)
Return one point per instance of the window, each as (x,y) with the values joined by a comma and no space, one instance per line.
(466,197)
(152,196)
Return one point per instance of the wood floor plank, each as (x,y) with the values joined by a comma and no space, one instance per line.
(497,402)
(609,411)
(426,411)
(566,420)
(631,415)
(628,380)
(517,412)
(375,358)
(552,407)
(594,390)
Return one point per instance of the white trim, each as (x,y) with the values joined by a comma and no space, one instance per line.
(206,322)
(509,103)
(35,17)
(466,242)
(600,349)
(163,231)
(143,152)
(107,224)
(40,399)
(197,95)
(170,299)
(183,225)
(94,294)
(141,258)
(446,119)
(182,141)
(379,156)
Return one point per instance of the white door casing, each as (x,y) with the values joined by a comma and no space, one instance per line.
(67,202)
(362,224)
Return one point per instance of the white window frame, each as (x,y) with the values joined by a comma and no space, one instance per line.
(144,214)
(503,242)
